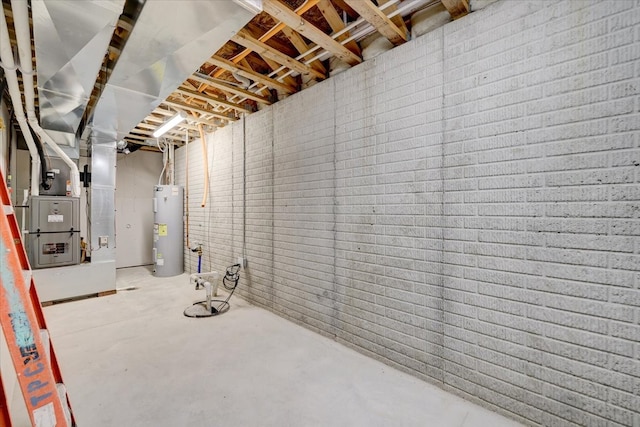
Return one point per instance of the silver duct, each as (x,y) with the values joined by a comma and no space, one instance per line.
(71,39)
(169,41)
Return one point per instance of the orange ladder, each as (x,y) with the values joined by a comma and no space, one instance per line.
(25,331)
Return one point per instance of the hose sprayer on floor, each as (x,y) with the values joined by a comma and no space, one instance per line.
(209,281)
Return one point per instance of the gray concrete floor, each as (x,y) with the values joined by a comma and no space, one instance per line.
(133,359)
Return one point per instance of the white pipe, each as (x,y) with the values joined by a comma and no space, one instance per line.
(6,56)
(23,37)
(197,278)
(172,169)
(207,288)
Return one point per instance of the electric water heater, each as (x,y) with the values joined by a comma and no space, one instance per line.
(168,231)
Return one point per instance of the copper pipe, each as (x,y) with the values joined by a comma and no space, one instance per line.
(205,162)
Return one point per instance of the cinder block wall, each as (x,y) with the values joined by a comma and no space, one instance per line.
(465,207)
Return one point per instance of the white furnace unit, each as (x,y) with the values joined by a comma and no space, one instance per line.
(168,231)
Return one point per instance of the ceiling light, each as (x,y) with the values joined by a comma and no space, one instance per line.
(170,124)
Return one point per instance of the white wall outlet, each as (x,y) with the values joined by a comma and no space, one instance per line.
(103,241)
(242,261)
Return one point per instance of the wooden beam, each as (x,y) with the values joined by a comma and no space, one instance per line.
(249,74)
(373,15)
(154,119)
(301,46)
(203,78)
(146,134)
(213,100)
(154,126)
(288,79)
(245,39)
(457,8)
(282,13)
(398,20)
(335,22)
(344,6)
(191,118)
(266,36)
(185,106)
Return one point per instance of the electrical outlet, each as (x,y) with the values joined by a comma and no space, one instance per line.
(242,261)
(103,241)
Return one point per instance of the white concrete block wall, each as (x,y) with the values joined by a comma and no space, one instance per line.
(303,205)
(257,286)
(465,207)
(388,207)
(541,108)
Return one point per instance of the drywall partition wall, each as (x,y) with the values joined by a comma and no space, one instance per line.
(484,226)
(136,175)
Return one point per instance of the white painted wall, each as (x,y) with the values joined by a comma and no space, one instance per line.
(136,174)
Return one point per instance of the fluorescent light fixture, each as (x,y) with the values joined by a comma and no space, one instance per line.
(170,124)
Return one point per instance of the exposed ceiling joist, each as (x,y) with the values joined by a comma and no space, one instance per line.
(282,74)
(159,120)
(301,46)
(202,78)
(398,20)
(213,100)
(153,126)
(457,8)
(250,74)
(197,109)
(347,9)
(287,16)
(373,15)
(243,38)
(335,22)
(147,134)
(272,32)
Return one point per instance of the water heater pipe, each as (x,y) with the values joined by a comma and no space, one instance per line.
(6,56)
(172,169)
(23,38)
(186,186)
(205,163)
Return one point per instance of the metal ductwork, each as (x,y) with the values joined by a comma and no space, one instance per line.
(170,40)
(71,39)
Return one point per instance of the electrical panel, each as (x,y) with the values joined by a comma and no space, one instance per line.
(54,231)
